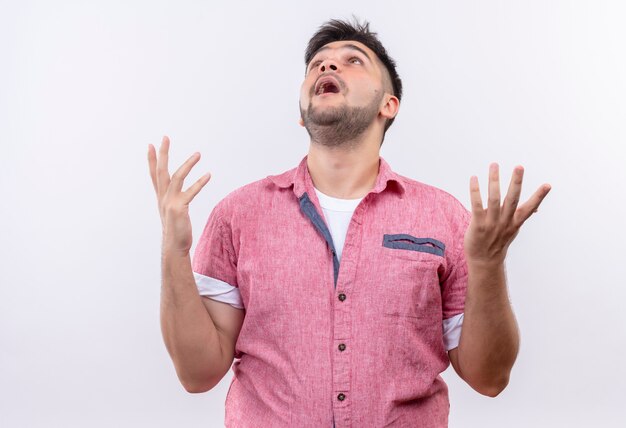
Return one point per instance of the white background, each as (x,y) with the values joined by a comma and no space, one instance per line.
(86,86)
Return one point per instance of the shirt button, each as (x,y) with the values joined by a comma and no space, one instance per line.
(342,297)
(342,347)
(341,397)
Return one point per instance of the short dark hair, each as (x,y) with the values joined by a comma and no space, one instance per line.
(336,30)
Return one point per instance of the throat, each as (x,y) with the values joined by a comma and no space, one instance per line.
(349,178)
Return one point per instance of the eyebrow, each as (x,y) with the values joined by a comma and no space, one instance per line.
(348,46)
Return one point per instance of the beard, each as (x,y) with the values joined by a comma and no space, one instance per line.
(340,125)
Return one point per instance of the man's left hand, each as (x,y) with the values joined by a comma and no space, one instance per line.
(492,230)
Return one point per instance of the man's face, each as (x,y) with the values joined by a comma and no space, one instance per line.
(343,83)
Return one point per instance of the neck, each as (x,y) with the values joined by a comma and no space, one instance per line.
(347,171)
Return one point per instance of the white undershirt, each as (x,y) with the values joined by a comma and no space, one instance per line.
(337,213)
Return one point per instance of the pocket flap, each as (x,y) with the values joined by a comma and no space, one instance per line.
(405,241)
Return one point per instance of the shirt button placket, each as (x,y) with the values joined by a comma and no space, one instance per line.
(342,365)
(343,325)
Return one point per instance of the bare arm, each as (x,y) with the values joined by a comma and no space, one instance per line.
(489,340)
(202,352)
(189,333)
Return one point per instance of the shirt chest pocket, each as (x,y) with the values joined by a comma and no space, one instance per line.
(411,245)
(411,271)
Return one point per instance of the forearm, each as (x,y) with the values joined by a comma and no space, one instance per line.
(188,331)
(489,340)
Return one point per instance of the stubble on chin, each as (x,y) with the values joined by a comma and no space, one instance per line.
(339,125)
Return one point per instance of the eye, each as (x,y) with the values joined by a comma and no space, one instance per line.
(355,58)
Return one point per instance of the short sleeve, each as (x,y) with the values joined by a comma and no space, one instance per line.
(214,255)
(454,282)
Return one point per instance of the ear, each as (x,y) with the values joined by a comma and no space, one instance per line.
(389,110)
(301,122)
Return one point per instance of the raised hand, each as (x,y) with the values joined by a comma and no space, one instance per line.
(492,230)
(172,202)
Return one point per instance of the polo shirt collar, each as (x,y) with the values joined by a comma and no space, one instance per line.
(301,180)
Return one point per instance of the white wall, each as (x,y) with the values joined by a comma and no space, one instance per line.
(86,86)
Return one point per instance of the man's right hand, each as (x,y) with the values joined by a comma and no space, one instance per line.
(172,202)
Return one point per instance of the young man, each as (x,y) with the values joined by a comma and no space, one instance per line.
(342,288)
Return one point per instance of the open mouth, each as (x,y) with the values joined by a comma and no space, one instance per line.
(327,86)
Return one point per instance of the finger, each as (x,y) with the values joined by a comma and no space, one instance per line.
(531,205)
(163,175)
(152,166)
(195,188)
(493,200)
(181,173)
(475,198)
(512,195)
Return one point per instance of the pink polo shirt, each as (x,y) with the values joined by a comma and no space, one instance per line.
(355,345)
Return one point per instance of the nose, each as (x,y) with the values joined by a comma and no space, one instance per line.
(327,64)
